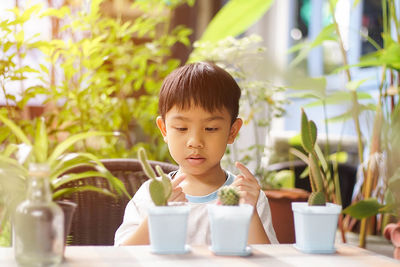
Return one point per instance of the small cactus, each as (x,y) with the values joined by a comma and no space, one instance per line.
(308,139)
(229,195)
(160,188)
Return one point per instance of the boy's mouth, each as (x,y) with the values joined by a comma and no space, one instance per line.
(195,159)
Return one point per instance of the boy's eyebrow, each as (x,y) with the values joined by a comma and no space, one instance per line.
(215,118)
(183,118)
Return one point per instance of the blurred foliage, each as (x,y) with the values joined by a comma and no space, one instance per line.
(234,18)
(16,157)
(379,191)
(101,73)
(277,180)
(246,60)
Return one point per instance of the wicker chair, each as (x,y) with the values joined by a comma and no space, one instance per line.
(98,216)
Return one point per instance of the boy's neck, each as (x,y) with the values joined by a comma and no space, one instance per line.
(203,184)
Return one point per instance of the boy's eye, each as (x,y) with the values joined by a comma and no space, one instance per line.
(180,129)
(211,129)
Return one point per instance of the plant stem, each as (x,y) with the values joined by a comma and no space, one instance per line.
(3,88)
(256,136)
(353,93)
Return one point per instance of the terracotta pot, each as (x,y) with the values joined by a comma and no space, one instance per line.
(396,253)
(395,236)
(281,209)
(388,230)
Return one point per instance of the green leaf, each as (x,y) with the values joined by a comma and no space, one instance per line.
(10,149)
(63,146)
(19,37)
(58,13)
(347,115)
(75,176)
(321,158)
(234,18)
(364,208)
(295,140)
(40,146)
(326,34)
(308,132)
(285,178)
(10,163)
(15,130)
(299,154)
(354,85)
(340,157)
(67,191)
(315,86)
(26,69)
(313,132)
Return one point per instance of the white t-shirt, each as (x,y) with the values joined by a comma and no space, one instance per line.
(198,224)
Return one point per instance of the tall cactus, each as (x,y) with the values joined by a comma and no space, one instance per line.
(160,188)
(308,139)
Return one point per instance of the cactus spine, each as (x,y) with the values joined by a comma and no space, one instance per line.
(160,188)
(308,139)
(229,195)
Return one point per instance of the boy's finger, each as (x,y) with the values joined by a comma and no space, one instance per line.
(243,169)
(178,179)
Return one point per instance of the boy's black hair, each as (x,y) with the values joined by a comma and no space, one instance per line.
(203,84)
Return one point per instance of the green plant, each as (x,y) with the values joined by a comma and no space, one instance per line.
(15,70)
(308,139)
(102,73)
(376,189)
(235,18)
(112,70)
(277,179)
(315,159)
(16,157)
(160,188)
(228,196)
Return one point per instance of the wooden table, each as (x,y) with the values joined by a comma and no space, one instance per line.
(263,255)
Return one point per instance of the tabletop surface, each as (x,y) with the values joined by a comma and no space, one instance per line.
(262,255)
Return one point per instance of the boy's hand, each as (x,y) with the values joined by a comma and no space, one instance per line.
(248,186)
(177,193)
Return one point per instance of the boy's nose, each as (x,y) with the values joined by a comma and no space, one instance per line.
(195,142)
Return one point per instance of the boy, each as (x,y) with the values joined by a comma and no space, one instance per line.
(199,105)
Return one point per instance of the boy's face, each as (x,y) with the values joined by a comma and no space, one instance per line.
(197,139)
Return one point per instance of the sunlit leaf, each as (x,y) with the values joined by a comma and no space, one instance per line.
(70,190)
(340,157)
(15,130)
(40,146)
(364,208)
(63,146)
(234,18)
(58,13)
(354,85)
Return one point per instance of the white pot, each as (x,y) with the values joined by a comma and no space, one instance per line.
(315,227)
(168,229)
(229,227)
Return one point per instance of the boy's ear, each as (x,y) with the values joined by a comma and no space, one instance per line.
(161,125)
(234,130)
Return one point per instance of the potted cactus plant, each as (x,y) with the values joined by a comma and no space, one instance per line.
(229,223)
(167,220)
(316,221)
